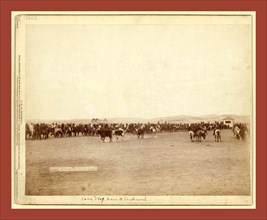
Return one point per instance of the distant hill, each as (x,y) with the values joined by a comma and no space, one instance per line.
(205,118)
(170,119)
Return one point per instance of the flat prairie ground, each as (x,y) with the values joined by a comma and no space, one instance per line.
(158,165)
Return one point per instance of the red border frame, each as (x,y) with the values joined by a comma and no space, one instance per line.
(127,5)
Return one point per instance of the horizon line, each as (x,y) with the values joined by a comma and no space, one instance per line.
(143,118)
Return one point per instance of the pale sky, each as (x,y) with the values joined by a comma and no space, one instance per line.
(83,71)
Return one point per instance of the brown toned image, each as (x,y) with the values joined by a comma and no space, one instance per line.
(133,109)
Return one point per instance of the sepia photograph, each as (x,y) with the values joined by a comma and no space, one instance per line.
(134,109)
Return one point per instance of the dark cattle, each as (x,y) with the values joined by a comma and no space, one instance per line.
(36,132)
(79,129)
(131,129)
(58,132)
(140,133)
(105,133)
(73,129)
(85,130)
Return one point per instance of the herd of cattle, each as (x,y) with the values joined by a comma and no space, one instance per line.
(197,131)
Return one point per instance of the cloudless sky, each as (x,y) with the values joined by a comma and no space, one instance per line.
(79,71)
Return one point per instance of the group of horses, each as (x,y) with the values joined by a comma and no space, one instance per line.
(37,131)
(40,131)
(199,133)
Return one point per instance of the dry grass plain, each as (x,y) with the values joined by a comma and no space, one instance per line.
(160,165)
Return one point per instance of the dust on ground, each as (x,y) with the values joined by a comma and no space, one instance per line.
(158,165)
